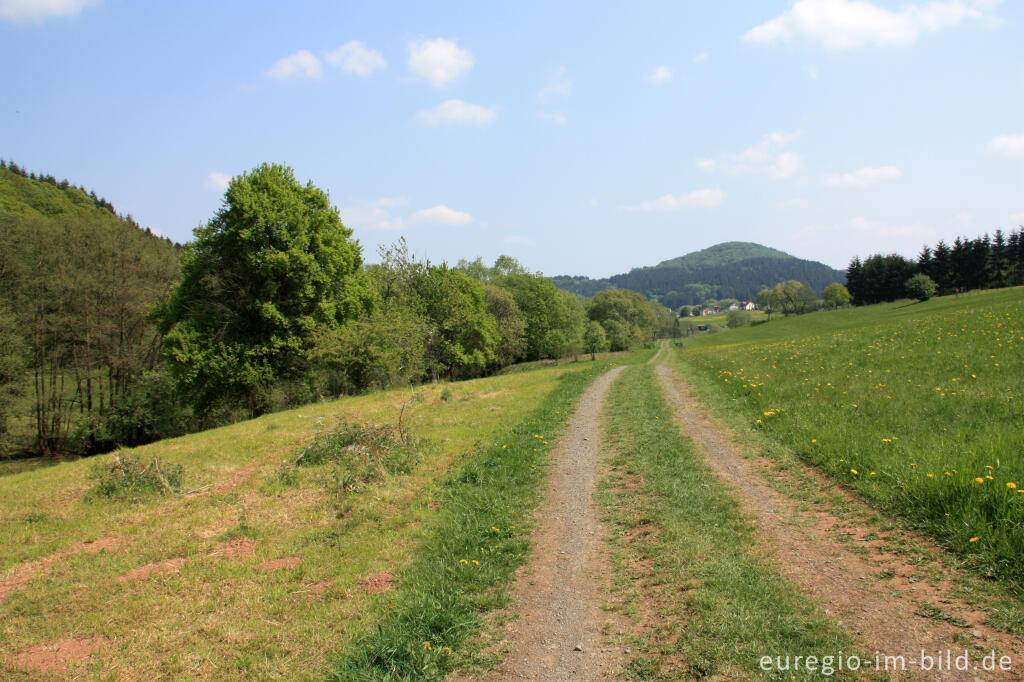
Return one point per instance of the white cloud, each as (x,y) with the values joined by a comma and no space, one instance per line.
(701,58)
(555,117)
(457,111)
(792,203)
(440,61)
(1007,145)
(847,24)
(767,157)
(558,85)
(218,181)
(302,63)
(863,177)
(355,57)
(375,214)
(24,11)
(660,76)
(699,198)
(443,215)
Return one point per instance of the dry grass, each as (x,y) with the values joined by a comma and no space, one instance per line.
(245,576)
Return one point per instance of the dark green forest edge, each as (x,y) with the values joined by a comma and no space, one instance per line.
(111,336)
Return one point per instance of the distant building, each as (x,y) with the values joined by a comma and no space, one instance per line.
(749,305)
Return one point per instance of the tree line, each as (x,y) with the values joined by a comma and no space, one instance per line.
(981,263)
(113,337)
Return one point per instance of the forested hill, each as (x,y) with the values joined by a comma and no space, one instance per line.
(77,283)
(728,270)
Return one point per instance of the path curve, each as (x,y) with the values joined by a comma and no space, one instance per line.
(557,634)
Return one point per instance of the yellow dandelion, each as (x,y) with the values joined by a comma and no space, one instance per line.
(980,479)
(463,561)
(990,478)
(447,649)
(814,440)
(475,562)
(931,475)
(974,539)
(1011,485)
(989,466)
(854,472)
(511,527)
(426,645)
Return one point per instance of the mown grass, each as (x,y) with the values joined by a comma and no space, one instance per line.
(689,565)
(471,548)
(222,615)
(917,407)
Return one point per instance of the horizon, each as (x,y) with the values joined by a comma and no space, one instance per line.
(826,129)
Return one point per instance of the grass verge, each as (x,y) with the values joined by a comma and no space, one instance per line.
(689,567)
(474,545)
(916,407)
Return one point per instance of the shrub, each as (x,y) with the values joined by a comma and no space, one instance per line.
(124,476)
(362,453)
(921,287)
(737,318)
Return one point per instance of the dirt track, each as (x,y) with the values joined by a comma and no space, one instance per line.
(557,632)
(847,584)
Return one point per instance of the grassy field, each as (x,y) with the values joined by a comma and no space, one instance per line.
(919,407)
(260,569)
(689,562)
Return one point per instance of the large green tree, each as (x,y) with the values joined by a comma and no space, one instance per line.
(273,268)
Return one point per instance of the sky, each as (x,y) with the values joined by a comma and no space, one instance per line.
(579,137)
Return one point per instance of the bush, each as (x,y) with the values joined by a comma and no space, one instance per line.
(737,318)
(124,476)
(361,453)
(921,287)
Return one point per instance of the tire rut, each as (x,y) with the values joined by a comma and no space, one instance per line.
(558,631)
(845,584)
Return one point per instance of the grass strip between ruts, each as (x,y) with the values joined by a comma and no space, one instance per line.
(479,538)
(689,565)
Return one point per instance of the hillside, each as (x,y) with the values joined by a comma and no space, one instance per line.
(77,282)
(728,270)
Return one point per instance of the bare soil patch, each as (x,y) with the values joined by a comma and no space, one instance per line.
(150,570)
(56,656)
(280,564)
(234,549)
(559,629)
(19,576)
(816,550)
(378,582)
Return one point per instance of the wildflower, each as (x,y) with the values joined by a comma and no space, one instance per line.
(1011,486)
(475,562)
(990,478)
(447,649)
(979,479)
(931,475)
(854,472)
(426,645)
(495,529)
(463,561)
(814,440)
(974,539)
(988,466)
(503,447)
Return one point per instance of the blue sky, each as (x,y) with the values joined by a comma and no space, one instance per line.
(582,138)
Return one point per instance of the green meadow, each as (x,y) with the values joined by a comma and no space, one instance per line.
(918,407)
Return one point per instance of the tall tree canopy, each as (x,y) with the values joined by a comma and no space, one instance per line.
(272,268)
